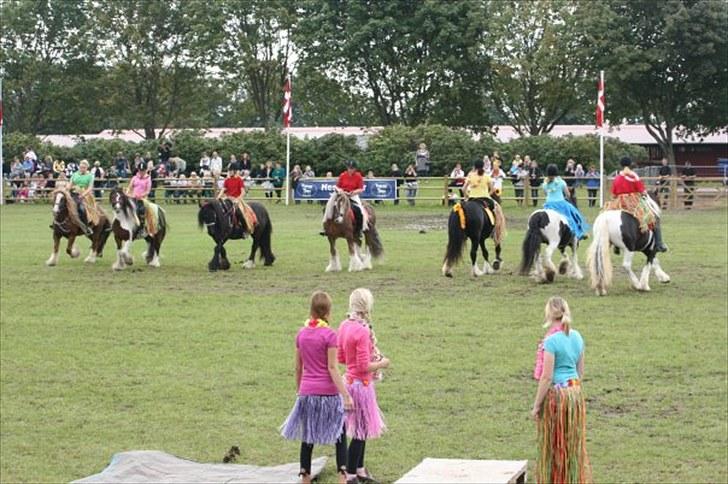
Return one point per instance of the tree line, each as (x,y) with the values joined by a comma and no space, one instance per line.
(81,66)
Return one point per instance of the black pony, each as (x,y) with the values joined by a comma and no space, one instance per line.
(477,228)
(217,216)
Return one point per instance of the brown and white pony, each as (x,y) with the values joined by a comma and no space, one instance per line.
(66,224)
(343,225)
(125,227)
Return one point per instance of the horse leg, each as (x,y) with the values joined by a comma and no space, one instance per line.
(645,275)
(550,269)
(53,259)
(627,266)
(154,245)
(366,257)
(486,265)
(214,263)
(71,248)
(661,275)
(250,263)
(355,264)
(564,262)
(119,264)
(224,262)
(575,270)
(126,251)
(497,262)
(334,262)
(475,271)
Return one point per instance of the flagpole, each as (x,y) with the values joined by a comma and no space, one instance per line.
(2,160)
(288,145)
(601,150)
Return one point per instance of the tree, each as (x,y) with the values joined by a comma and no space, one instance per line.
(414,61)
(254,52)
(156,55)
(46,62)
(667,61)
(539,65)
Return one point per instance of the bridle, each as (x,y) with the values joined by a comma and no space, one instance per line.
(62,225)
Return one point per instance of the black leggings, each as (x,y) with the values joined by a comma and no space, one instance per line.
(307,452)
(356,455)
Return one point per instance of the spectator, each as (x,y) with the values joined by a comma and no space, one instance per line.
(396,173)
(30,154)
(592,185)
(215,165)
(112,180)
(154,175)
(266,176)
(664,182)
(204,164)
(207,184)
(497,175)
(139,163)
(165,152)
(179,166)
(410,181)
(59,166)
(45,166)
(279,175)
(570,180)
(245,164)
(579,173)
(122,165)
(518,177)
(296,175)
(487,165)
(28,165)
(99,179)
(308,173)
(71,168)
(422,160)
(457,179)
(194,184)
(233,162)
(688,177)
(181,188)
(535,179)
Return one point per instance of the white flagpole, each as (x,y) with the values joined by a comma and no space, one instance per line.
(601,150)
(2,160)
(288,143)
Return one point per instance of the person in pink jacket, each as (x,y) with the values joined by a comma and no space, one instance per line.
(356,349)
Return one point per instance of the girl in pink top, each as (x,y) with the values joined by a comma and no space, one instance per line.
(356,349)
(318,415)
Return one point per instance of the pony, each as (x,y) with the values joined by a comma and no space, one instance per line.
(468,220)
(549,227)
(217,215)
(66,224)
(344,224)
(125,227)
(622,230)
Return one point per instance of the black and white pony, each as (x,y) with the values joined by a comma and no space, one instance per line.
(217,217)
(478,228)
(621,230)
(125,227)
(549,227)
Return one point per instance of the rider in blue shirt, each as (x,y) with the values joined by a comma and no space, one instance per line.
(556,195)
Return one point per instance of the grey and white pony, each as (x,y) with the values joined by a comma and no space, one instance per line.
(551,228)
(125,227)
(621,230)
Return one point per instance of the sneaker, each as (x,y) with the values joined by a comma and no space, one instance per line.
(322,233)
(662,248)
(367,478)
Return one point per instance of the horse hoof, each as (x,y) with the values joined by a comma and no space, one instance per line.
(50,263)
(496,264)
(563,266)
(448,274)
(248,264)
(550,276)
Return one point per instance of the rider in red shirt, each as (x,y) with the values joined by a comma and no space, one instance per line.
(350,182)
(233,188)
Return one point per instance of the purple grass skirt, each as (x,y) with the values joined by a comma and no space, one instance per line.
(365,421)
(315,419)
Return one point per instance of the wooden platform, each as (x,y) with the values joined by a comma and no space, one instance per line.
(455,471)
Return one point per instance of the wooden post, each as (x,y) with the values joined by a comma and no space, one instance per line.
(527,191)
(445,198)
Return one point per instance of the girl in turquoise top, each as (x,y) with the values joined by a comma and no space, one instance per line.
(556,193)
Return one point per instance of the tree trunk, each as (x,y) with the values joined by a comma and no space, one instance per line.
(149,132)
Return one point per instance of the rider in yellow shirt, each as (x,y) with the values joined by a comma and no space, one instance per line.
(478,185)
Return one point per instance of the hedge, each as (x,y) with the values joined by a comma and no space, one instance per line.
(393,144)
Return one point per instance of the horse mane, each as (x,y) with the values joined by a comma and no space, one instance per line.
(71,206)
(126,205)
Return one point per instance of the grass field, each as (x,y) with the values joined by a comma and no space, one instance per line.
(94,362)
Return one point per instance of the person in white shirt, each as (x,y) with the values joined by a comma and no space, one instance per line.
(204,163)
(215,165)
(497,175)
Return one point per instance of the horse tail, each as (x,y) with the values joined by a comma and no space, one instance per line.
(456,238)
(597,256)
(265,239)
(162,220)
(200,220)
(532,242)
(373,241)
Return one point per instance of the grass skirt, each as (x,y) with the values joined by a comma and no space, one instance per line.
(562,456)
(315,419)
(365,421)
(577,222)
(636,205)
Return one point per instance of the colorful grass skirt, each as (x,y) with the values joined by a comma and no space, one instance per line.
(562,456)
(365,421)
(315,419)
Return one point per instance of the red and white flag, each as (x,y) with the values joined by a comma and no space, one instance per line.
(287,111)
(600,103)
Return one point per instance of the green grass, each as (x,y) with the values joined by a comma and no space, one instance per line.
(94,362)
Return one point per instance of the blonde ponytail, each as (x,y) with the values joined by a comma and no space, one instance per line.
(557,310)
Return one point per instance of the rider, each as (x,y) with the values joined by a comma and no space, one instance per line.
(139,187)
(81,186)
(557,194)
(351,182)
(233,188)
(479,186)
(630,196)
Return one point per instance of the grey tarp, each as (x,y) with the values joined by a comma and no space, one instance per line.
(147,466)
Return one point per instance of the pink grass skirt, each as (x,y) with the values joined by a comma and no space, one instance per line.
(365,421)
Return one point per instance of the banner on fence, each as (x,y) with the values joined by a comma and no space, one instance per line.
(379,189)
